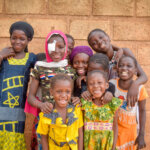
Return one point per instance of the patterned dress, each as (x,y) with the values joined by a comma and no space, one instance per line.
(98,123)
(61,136)
(127,122)
(14,77)
(44,73)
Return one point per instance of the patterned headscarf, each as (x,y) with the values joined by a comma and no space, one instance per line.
(46,44)
(80,49)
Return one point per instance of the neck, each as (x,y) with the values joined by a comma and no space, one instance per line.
(20,55)
(125,84)
(97,101)
(60,109)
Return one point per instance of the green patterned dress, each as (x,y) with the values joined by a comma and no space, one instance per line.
(98,123)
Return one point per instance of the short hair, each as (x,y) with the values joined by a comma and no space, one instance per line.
(104,74)
(69,36)
(63,77)
(101,59)
(96,30)
(133,58)
(41,56)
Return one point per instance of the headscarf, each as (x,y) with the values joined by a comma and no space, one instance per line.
(46,44)
(80,49)
(23,26)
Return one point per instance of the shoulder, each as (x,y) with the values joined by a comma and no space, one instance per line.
(44,119)
(142,93)
(33,56)
(113,81)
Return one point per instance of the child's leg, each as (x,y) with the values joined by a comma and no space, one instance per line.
(28,129)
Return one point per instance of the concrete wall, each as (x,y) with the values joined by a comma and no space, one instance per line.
(126,21)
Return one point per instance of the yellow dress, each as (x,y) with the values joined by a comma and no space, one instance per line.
(61,136)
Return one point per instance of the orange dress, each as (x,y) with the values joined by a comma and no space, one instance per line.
(128,118)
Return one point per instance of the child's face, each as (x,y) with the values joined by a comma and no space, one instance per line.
(70,46)
(59,51)
(80,63)
(126,68)
(19,41)
(61,92)
(99,42)
(97,85)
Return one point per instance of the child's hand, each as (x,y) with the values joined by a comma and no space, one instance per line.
(76,100)
(46,107)
(79,80)
(140,141)
(86,95)
(132,95)
(107,97)
(119,54)
(7,52)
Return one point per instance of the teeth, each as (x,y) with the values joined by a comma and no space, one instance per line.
(124,73)
(80,71)
(63,101)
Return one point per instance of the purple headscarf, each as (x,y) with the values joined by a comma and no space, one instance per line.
(80,49)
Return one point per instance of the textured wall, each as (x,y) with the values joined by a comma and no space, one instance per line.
(126,21)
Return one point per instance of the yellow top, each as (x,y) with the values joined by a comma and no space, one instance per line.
(61,136)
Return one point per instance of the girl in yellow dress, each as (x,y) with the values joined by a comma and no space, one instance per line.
(62,129)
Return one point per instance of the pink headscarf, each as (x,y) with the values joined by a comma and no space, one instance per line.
(46,44)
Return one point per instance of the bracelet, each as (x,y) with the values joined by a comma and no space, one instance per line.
(1,57)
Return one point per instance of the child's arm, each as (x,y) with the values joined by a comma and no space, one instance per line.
(79,80)
(6,52)
(142,120)
(45,107)
(80,139)
(141,79)
(115,129)
(44,141)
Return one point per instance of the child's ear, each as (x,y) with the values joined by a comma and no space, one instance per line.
(51,92)
(136,72)
(107,85)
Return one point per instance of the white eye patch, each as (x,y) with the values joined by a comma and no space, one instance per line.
(51,46)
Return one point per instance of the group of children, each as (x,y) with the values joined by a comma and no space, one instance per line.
(86,101)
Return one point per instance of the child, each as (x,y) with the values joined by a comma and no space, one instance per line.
(79,59)
(56,51)
(14,77)
(127,124)
(100,42)
(100,62)
(71,44)
(100,121)
(63,127)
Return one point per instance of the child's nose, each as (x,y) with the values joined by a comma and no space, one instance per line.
(80,65)
(63,94)
(17,41)
(95,85)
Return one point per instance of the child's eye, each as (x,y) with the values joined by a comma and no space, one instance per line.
(76,63)
(84,62)
(120,65)
(129,66)
(13,38)
(59,91)
(68,92)
(22,39)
